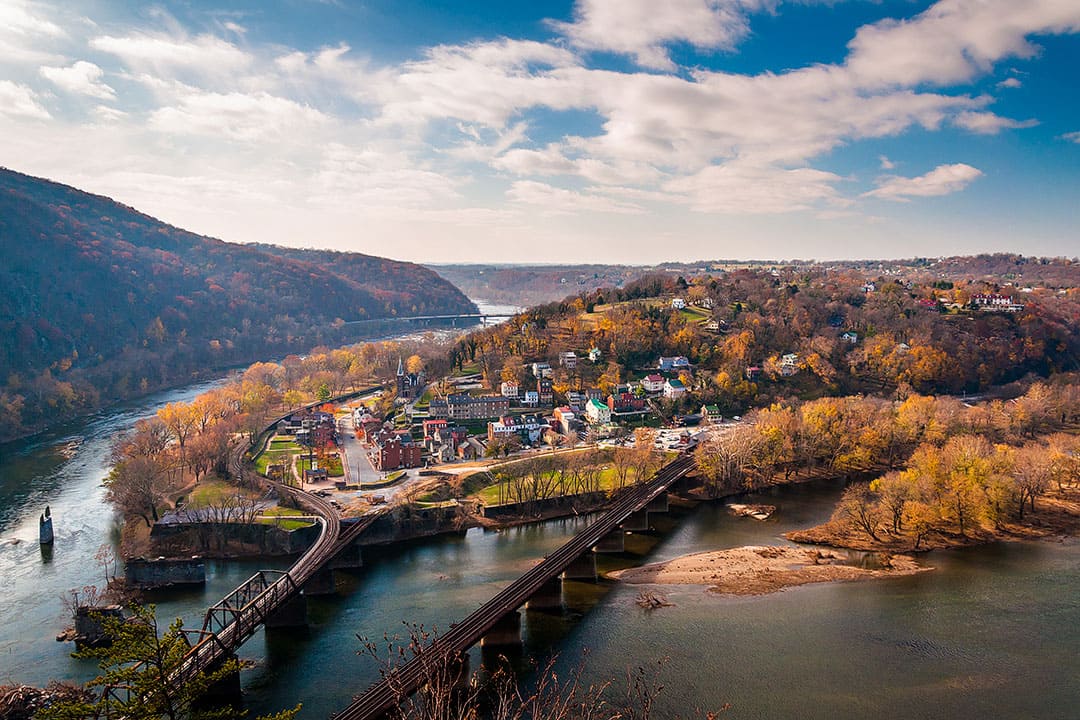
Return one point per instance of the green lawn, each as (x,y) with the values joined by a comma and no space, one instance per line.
(210,492)
(286,524)
(490,494)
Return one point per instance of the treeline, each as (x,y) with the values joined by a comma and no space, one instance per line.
(578,472)
(902,335)
(943,466)
(100,302)
(848,436)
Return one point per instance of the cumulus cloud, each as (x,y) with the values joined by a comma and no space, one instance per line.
(1010,83)
(19,100)
(82,78)
(954,40)
(942,180)
(641,28)
(1072,137)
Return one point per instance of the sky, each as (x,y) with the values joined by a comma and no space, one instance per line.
(620,131)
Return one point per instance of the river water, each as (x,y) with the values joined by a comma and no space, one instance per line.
(992,632)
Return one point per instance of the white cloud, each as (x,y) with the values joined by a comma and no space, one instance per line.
(942,180)
(1011,82)
(987,123)
(204,54)
(886,163)
(19,100)
(556,200)
(641,28)
(954,40)
(738,188)
(82,78)
(1072,137)
(245,117)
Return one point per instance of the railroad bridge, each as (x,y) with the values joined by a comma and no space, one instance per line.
(499,617)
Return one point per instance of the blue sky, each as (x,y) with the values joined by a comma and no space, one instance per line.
(627,131)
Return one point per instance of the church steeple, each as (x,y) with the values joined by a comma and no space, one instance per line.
(400,367)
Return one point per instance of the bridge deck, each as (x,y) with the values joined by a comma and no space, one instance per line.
(406,678)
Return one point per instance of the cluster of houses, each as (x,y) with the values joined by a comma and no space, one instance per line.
(312,428)
(994,302)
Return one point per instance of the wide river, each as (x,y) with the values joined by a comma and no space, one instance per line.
(992,633)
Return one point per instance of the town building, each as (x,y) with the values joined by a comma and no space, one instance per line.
(409,385)
(595,355)
(509,389)
(545,391)
(678,304)
(993,302)
(395,449)
(653,383)
(597,412)
(673,363)
(850,337)
(568,359)
(461,406)
(789,364)
(674,389)
(625,402)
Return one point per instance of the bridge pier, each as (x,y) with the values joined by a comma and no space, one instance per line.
(226,692)
(505,633)
(350,558)
(292,614)
(582,568)
(613,542)
(637,522)
(658,504)
(548,597)
(321,583)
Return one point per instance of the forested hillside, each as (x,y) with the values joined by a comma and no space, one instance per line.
(751,337)
(99,302)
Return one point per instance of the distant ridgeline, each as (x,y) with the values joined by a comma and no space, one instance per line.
(99,302)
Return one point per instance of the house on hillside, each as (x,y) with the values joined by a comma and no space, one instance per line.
(678,304)
(674,389)
(673,363)
(509,389)
(568,359)
(789,364)
(595,355)
(653,383)
(597,412)
(711,413)
(850,337)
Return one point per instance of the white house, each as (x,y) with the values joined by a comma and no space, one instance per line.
(595,355)
(674,389)
(789,364)
(678,304)
(568,359)
(850,337)
(673,363)
(509,389)
(653,383)
(532,398)
(597,412)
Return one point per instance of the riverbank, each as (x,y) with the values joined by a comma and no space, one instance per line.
(1056,516)
(763,569)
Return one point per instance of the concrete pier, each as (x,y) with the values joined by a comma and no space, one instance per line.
(582,568)
(637,522)
(506,632)
(226,692)
(292,614)
(321,583)
(548,597)
(613,542)
(348,559)
(658,504)
(45,527)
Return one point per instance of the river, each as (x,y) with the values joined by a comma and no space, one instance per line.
(993,632)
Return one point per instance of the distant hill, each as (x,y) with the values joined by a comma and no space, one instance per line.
(100,302)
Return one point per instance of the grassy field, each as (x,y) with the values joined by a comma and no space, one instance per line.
(211,492)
